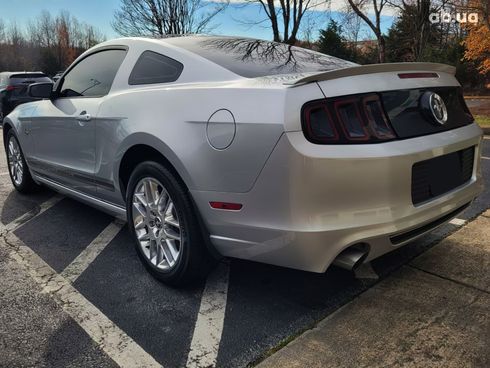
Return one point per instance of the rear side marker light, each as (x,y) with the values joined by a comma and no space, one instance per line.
(417,75)
(226,206)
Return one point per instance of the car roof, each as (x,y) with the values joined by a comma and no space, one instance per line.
(8,74)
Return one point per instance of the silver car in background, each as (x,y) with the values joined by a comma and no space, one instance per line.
(250,149)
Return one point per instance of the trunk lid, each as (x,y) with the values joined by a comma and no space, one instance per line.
(403,89)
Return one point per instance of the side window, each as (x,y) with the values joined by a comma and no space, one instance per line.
(93,76)
(155,68)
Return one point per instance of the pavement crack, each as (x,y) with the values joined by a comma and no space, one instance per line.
(461,283)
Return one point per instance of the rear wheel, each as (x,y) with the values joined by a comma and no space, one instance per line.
(164,226)
(18,170)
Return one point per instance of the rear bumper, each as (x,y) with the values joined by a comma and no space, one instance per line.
(311,201)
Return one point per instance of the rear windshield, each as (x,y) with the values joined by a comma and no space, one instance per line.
(253,58)
(27,78)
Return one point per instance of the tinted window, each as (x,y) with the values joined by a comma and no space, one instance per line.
(93,76)
(155,68)
(28,75)
(256,58)
(28,79)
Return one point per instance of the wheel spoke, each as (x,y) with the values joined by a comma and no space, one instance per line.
(160,255)
(151,192)
(169,257)
(172,247)
(172,221)
(172,234)
(163,201)
(138,225)
(153,250)
(144,236)
(140,197)
(140,209)
(169,208)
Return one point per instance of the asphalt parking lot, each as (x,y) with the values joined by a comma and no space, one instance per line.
(73,293)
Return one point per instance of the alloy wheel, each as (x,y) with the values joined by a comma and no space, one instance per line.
(16,164)
(156,224)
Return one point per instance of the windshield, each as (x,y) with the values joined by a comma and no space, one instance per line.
(253,58)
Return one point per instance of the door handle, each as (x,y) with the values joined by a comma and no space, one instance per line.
(84,116)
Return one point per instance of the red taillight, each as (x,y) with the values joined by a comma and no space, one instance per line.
(378,122)
(9,88)
(345,120)
(319,123)
(226,206)
(350,120)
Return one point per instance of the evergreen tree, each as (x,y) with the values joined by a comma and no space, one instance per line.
(332,43)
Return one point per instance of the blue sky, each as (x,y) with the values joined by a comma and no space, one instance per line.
(99,13)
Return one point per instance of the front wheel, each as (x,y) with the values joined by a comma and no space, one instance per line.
(19,172)
(162,221)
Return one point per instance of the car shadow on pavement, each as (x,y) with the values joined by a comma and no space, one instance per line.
(17,204)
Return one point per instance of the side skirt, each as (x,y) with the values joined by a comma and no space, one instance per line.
(112,209)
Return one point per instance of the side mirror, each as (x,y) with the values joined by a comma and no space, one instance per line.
(40,90)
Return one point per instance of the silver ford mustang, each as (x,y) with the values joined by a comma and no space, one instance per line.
(250,149)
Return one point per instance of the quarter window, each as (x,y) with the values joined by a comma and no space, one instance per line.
(93,76)
(152,67)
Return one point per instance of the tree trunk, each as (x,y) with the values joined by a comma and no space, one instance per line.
(381,49)
(273,18)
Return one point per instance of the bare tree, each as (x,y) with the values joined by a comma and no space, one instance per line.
(361,8)
(2,31)
(41,30)
(285,16)
(351,24)
(165,17)
(50,43)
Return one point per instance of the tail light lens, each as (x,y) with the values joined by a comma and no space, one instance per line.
(319,123)
(9,88)
(353,119)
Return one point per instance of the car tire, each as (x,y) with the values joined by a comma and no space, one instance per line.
(18,170)
(168,241)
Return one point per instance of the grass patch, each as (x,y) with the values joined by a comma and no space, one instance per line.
(483,120)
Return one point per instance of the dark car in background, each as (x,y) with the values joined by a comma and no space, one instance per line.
(13,89)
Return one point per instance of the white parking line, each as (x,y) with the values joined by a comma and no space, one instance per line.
(88,255)
(4,173)
(457,222)
(210,320)
(31,214)
(110,338)
(485,158)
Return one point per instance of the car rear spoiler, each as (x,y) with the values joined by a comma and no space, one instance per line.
(370,69)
